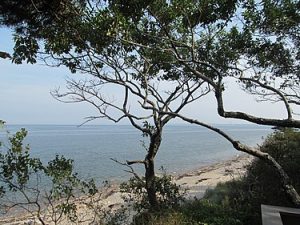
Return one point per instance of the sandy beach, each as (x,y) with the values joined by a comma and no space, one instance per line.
(195,182)
(198,181)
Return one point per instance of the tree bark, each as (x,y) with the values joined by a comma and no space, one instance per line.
(150,184)
(290,122)
(155,141)
(286,183)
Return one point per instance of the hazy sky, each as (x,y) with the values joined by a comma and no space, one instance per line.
(25,97)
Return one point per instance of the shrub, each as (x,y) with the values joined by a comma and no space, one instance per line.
(165,217)
(209,213)
(168,193)
(284,146)
(197,212)
(261,184)
(21,187)
(235,198)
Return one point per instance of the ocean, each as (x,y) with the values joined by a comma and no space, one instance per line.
(183,148)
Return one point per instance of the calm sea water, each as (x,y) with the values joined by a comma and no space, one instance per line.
(183,147)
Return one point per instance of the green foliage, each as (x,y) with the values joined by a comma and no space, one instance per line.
(261,184)
(168,193)
(150,129)
(165,217)
(266,36)
(25,49)
(117,217)
(234,197)
(196,212)
(21,175)
(35,13)
(16,165)
(169,197)
(284,147)
(206,212)
(279,19)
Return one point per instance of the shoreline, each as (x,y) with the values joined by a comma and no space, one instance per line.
(207,177)
(195,182)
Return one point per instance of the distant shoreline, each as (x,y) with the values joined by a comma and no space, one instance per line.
(91,147)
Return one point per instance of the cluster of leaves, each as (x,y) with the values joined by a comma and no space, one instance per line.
(35,20)
(148,127)
(24,176)
(284,147)
(278,50)
(35,14)
(266,35)
(16,166)
(233,199)
(168,193)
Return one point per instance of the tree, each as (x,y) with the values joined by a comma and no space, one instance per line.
(114,65)
(135,44)
(267,65)
(34,14)
(128,74)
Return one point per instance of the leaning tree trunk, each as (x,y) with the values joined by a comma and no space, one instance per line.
(155,141)
(286,183)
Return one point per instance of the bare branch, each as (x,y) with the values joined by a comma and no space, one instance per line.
(250,118)
(277,91)
(5,55)
(135,162)
(129,171)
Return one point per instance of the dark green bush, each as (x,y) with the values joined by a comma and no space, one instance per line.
(261,184)
(197,212)
(209,213)
(235,198)
(165,217)
(284,146)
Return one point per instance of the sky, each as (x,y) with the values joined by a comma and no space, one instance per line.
(25,97)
